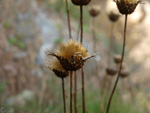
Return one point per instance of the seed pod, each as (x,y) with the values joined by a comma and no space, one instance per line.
(113,16)
(117,59)
(61,74)
(111,71)
(127,6)
(56,67)
(124,73)
(94,10)
(72,55)
(74,64)
(80,2)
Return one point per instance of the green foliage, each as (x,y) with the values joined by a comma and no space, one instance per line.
(16,40)
(6,24)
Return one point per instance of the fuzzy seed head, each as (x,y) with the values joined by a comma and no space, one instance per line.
(72,55)
(72,49)
(57,68)
(127,6)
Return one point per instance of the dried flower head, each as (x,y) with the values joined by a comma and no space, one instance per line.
(80,2)
(127,6)
(117,59)
(72,55)
(57,68)
(113,16)
(94,10)
(124,73)
(111,71)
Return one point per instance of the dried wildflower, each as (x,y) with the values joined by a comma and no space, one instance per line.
(127,6)
(80,2)
(113,16)
(124,73)
(56,67)
(94,10)
(117,59)
(72,55)
(111,71)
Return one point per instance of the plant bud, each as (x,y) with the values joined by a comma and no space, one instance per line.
(111,71)
(94,10)
(124,73)
(117,59)
(113,16)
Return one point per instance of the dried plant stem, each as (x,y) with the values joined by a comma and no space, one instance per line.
(81,23)
(68,16)
(75,94)
(71,87)
(63,90)
(83,92)
(81,41)
(124,42)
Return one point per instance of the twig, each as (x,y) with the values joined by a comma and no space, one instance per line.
(124,42)
(75,92)
(71,94)
(68,16)
(63,90)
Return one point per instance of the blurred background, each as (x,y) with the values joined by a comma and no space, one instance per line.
(30,27)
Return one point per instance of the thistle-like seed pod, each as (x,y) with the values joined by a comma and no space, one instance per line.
(117,59)
(113,16)
(111,71)
(72,55)
(124,73)
(94,10)
(81,2)
(127,6)
(56,67)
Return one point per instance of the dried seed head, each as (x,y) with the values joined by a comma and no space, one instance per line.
(127,6)
(111,71)
(94,10)
(124,73)
(72,55)
(56,67)
(80,2)
(117,59)
(113,16)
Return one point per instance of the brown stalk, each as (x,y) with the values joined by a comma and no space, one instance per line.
(71,94)
(63,90)
(83,92)
(81,41)
(124,42)
(75,94)
(68,16)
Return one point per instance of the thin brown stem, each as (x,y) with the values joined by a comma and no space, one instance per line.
(75,92)
(83,92)
(81,41)
(63,90)
(81,23)
(124,42)
(71,94)
(68,16)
